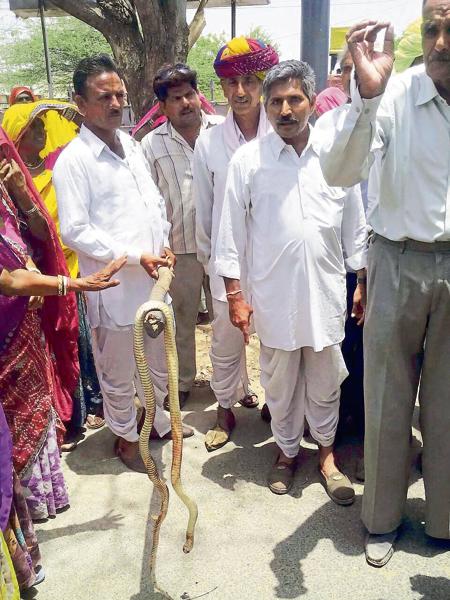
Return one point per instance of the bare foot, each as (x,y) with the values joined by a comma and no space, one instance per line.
(129,450)
(225,418)
(326,460)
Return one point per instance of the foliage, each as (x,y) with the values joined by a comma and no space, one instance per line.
(201,58)
(69,40)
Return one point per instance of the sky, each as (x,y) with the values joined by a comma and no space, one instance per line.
(282,18)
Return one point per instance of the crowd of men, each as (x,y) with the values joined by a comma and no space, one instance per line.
(264,210)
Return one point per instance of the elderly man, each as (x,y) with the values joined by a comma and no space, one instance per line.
(169,150)
(406,337)
(296,238)
(241,66)
(109,206)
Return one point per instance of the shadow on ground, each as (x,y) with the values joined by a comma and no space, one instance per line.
(343,528)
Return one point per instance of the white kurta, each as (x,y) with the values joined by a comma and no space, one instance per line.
(213,152)
(296,235)
(409,128)
(108,207)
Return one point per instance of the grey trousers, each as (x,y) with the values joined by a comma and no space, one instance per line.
(407,343)
(185,291)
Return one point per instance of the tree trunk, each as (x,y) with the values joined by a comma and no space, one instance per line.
(143,35)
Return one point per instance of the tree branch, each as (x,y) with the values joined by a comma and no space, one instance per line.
(84,11)
(197,24)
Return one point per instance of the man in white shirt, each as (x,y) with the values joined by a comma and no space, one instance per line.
(241,65)
(169,150)
(109,206)
(296,238)
(406,337)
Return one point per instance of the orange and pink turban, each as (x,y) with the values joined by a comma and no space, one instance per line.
(243,56)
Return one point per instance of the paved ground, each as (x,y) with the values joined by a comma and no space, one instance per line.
(250,544)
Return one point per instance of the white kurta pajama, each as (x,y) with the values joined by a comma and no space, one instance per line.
(109,207)
(213,152)
(296,235)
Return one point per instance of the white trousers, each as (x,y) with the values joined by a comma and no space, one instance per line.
(118,376)
(229,380)
(298,384)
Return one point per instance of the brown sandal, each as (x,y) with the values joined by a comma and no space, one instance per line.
(250,400)
(94,422)
(218,436)
(281,477)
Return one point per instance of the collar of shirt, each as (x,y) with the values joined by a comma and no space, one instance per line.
(427,90)
(279,145)
(168,129)
(98,146)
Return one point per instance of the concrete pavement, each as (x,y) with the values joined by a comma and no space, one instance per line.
(250,544)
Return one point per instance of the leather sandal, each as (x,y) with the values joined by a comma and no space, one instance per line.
(281,477)
(338,487)
(218,436)
(250,400)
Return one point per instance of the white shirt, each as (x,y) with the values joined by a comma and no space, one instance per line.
(170,159)
(213,151)
(108,207)
(297,237)
(410,127)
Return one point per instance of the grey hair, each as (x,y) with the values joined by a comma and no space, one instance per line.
(291,69)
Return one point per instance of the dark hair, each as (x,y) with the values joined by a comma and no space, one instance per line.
(92,65)
(291,69)
(170,76)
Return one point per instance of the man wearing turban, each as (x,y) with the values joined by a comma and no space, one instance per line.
(241,66)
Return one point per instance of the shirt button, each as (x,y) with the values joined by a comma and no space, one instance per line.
(366,112)
(358,110)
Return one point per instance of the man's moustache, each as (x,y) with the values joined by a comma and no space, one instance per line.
(287,122)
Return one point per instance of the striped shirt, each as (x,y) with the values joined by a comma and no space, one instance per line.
(170,159)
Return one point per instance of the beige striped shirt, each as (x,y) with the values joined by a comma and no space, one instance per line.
(170,159)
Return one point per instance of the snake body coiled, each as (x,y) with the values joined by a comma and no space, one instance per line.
(143,320)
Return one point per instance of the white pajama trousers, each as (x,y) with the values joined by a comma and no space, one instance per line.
(302,383)
(229,380)
(118,376)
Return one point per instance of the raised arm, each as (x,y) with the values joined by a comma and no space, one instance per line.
(346,155)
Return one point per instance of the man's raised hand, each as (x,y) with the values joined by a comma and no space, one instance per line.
(373,68)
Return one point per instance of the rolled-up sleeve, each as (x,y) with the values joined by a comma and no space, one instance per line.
(354,230)
(77,232)
(232,236)
(350,136)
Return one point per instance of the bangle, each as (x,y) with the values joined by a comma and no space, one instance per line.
(233,293)
(63,283)
(31,211)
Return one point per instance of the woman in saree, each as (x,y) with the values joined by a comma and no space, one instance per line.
(38,348)
(20,559)
(21,94)
(40,131)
